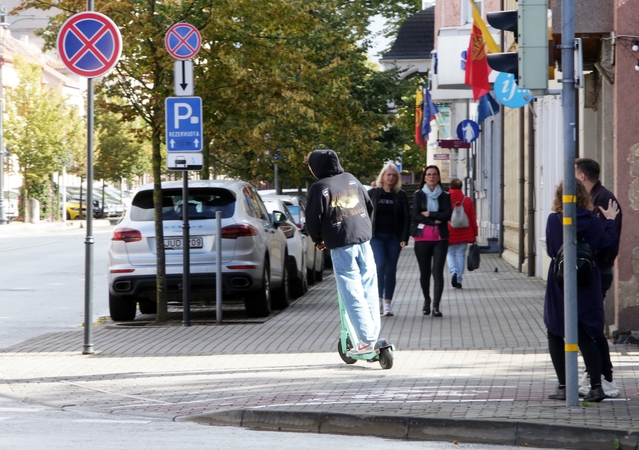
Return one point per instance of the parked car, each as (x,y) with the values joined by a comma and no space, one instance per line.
(296,243)
(254,250)
(73,209)
(315,259)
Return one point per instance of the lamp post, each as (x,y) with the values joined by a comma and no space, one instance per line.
(5,25)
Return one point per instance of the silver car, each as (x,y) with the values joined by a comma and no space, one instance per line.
(254,250)
(315,259)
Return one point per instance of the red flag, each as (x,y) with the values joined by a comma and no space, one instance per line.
(419,100)
(477,68)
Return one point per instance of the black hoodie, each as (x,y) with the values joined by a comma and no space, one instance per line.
(339,209)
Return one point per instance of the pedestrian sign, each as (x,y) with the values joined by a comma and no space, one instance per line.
(184,124)
(182,41)
(89,44)
(468,130)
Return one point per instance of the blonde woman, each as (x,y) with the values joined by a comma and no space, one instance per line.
(391,221)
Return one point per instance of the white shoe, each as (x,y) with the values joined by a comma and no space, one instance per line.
(363,348)
(388,311)
(584,384)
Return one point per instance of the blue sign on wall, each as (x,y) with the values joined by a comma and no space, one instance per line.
(508,93)
(468,130)
(184,124)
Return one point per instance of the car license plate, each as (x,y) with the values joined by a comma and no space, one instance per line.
(177,243)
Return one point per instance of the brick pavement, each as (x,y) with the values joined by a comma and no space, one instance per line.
(480,373)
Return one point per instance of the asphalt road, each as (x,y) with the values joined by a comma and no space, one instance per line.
(42,282)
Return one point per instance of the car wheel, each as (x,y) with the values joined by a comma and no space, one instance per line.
(300,284)
(148,306)
(68,216)
(310,276)
(122,309)
(281,294)
(260,304)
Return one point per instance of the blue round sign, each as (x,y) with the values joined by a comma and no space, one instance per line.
(468,130)
(89,44)
(183,41)
(508,92)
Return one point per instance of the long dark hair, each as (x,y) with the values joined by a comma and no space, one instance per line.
(423,180)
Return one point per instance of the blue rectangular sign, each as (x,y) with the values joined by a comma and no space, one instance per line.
(184,124)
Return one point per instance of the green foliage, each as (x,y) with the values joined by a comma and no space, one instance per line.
(43,132)
(119,154)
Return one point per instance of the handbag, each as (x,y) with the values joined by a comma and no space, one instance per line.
(473,259)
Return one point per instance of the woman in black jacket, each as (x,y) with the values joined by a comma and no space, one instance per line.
(431,212)
(391,222)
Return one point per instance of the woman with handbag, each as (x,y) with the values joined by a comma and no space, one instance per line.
(590,309)
(460,237)
(391,222)
(431,212)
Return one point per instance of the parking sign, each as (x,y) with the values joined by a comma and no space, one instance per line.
(184,124)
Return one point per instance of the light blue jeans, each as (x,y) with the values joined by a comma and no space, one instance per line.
(457,259)
(356,277)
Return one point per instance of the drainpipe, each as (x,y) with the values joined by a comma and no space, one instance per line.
(522,187)
(532,256)
(502,152)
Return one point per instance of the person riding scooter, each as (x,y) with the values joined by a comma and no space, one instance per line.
(338,217)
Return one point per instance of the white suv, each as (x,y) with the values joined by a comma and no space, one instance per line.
(254,250)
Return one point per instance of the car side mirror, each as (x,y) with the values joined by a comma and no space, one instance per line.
(96,203)
(278,218)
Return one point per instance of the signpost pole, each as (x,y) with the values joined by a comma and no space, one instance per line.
(88,266)
(218,267)
(186,253)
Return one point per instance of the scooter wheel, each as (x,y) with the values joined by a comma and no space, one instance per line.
(386,358)
(347,359)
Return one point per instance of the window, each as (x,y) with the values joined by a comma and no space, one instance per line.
(203,204)
(466,11)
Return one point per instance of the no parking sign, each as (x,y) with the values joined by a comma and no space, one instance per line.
(89,44)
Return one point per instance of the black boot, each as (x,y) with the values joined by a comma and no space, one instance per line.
(436,311)
(426,308)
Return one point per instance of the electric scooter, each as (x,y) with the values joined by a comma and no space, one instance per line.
(383,349)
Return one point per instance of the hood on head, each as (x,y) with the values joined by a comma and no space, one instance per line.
(324,163)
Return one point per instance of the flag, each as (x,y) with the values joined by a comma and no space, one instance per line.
(487,107)
(477,69)
(419,100)
(429,111)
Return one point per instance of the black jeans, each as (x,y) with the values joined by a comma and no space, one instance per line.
(431,257)
(589,351)
(602,342)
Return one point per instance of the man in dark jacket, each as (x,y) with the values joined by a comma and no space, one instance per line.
(338,218)
(587,171)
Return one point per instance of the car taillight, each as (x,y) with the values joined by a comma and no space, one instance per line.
(238,230)
(126,235)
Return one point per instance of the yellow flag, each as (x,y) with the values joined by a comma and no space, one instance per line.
(479,22)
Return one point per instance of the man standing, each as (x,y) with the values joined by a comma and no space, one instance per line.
(588,171)
(338,218)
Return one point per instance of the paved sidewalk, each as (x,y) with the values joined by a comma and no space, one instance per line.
(479,374)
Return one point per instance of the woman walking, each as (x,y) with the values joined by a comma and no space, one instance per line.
(460,237)
(391,222)
(600,236)
(431,212)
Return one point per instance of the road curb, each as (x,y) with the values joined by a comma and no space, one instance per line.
(425,429)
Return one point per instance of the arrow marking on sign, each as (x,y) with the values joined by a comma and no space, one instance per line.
(172,143)
(197,143)
(183,84)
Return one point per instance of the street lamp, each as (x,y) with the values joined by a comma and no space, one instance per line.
(5,25)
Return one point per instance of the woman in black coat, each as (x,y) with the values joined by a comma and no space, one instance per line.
(590,317)
(431,213)
(391,221)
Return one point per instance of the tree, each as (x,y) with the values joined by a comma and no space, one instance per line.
(34,133)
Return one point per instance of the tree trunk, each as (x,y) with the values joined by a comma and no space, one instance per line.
(162,306)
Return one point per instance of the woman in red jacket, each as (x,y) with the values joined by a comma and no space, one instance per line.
(460,237)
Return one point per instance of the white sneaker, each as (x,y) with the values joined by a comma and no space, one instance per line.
(584,384)
(388,311)
(362,348)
